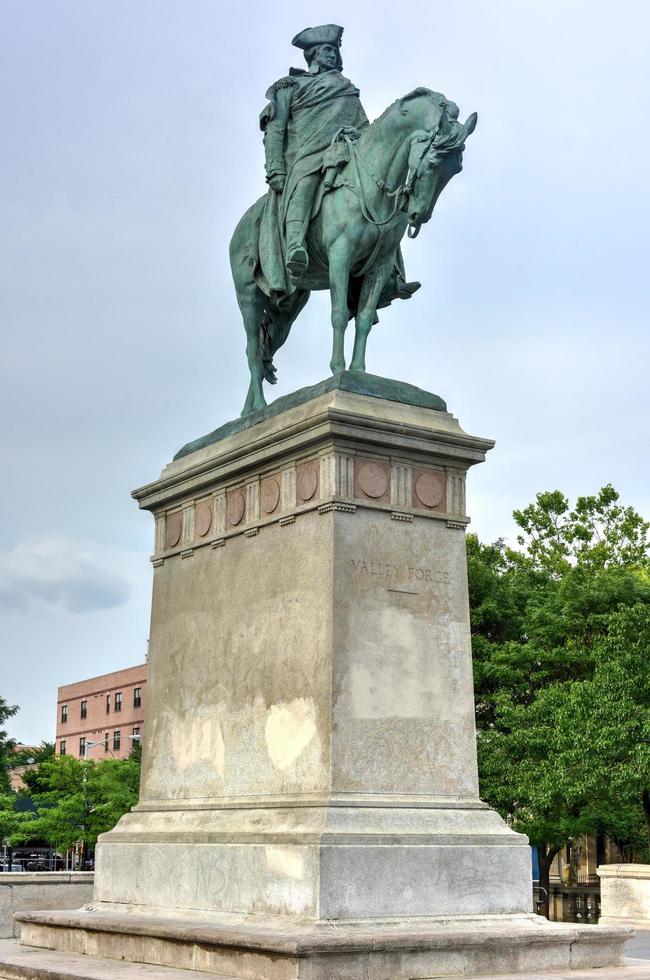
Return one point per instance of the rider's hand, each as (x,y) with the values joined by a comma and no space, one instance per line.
(276,183)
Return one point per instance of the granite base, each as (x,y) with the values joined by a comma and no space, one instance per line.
(239,948)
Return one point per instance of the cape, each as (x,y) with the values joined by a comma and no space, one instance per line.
(320,105)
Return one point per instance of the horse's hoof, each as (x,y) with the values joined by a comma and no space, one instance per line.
(249,409)
(337,367)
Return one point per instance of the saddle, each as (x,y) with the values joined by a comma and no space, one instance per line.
(335,159)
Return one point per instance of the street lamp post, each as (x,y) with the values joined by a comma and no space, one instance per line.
(104,742)
(91,745)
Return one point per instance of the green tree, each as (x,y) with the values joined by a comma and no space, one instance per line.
(75,800)
(6,744)
(25,755)
(114,787)
(539,617)
(602,735)
(8,816)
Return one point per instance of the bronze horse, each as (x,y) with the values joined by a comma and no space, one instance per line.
(394,174)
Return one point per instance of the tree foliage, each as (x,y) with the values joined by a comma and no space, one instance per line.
(75,800)
(24,755)
(7,744)
(557,673)
(610,761)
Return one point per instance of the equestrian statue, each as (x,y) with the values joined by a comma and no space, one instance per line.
(341,195)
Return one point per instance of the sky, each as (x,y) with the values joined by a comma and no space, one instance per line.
(131,148)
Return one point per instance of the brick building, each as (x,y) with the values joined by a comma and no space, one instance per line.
(101,717)
(16,772)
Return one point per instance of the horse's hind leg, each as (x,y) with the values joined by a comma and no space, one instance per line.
(249,403)
(251,303)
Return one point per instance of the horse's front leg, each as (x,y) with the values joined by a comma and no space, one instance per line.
(250,400)
(252,309)
(373,283)
(339,266)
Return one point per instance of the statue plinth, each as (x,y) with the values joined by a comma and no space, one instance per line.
(309,800)
(310,744)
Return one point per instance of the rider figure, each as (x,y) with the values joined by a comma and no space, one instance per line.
(305,112)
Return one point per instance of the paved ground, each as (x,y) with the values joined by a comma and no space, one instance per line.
(639,947)
(639,970)
(26,963)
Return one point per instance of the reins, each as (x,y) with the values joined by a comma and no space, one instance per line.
(404,188)
(365,211)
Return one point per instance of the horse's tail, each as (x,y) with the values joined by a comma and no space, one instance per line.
(275,326)
(275,312)
(269,346)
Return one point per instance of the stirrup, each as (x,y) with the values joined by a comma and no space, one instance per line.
(297,261)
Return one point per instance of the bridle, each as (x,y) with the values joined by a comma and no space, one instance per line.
(427,140)
(402,193)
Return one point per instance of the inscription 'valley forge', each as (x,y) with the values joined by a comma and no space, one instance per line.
(411,574)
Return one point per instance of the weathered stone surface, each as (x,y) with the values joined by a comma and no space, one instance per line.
(310,687)
(352,381)
(53,890)
(625,894)
(309,802)
(269,950)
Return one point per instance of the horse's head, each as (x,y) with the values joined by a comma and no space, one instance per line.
(434,157)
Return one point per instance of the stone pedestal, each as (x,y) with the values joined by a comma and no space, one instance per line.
(310,744)
(309,783)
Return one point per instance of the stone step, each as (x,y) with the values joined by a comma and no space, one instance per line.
(268,950)
(30,963)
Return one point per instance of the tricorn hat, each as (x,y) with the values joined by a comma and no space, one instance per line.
(325,34)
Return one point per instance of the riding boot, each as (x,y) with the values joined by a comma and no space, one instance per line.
(297,258)
(296,224)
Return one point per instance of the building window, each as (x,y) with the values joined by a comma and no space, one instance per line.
(64,712)
(106,741)
(117,738)
(118,700)
(82,747)
(62,747)
(108,703)
(84,709)
(136,734)
(137,697)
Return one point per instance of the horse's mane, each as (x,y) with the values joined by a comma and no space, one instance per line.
(449,139)
(401,102)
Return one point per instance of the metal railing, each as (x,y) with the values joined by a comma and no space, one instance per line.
(572,903)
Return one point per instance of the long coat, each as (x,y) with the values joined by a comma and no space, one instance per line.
(319,106)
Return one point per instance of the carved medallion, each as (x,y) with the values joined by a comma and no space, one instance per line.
(430,489)
(372,478)
(306,481)
(173,529)
(270,494)
(203,518)
(235,507)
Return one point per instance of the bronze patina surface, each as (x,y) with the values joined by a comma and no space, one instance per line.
(360,383)
(341,195)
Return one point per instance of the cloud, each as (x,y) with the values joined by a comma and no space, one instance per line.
(61,572)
